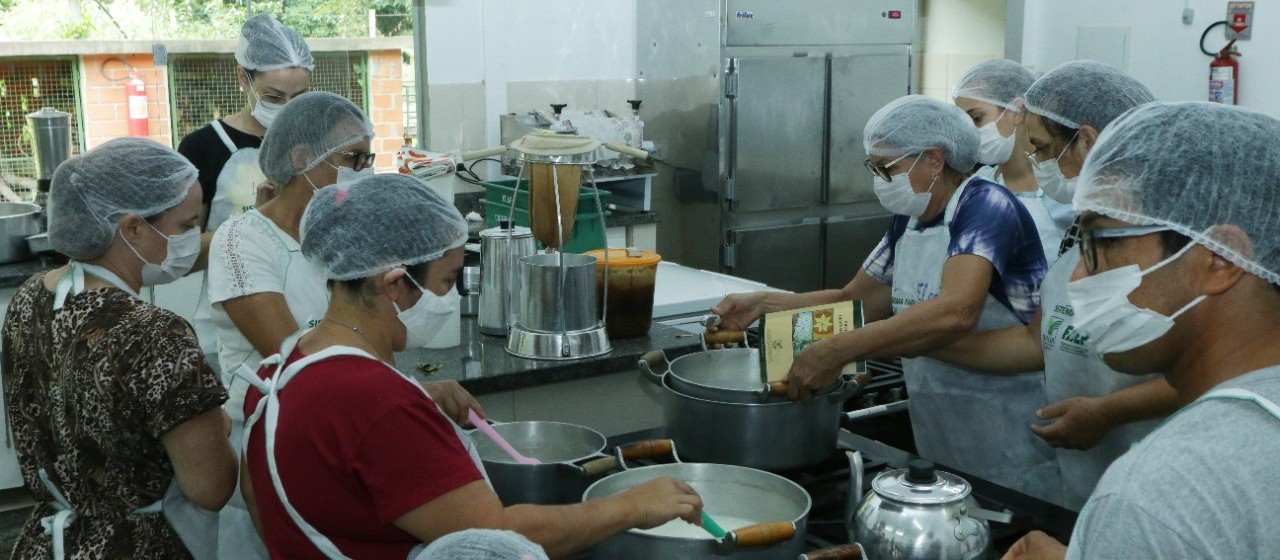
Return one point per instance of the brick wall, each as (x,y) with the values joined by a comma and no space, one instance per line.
(386,105)
(106,112)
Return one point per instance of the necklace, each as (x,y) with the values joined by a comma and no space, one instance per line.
(354,328)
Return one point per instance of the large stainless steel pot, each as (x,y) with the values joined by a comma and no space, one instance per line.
(776,435)
(18,220)
(778,506)
(917,513)
(730,375)
(572,458)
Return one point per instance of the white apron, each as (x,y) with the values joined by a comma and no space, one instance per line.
(195,526)
(972,421)
(1036,204)
(307,297)
(236,189)
(269,408)
(1074,370)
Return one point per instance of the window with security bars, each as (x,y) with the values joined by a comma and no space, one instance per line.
(26,86)
(204,87)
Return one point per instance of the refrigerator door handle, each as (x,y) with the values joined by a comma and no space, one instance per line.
(826,132)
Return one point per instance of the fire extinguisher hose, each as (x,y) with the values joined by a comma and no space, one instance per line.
(1206,34)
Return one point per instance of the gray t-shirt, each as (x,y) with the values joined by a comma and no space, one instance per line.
(1205,484)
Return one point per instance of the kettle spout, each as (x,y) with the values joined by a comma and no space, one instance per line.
(854,497)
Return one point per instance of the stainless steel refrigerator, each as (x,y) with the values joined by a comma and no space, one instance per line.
(758,107)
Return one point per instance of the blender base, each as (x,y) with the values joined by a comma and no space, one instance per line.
(534,345)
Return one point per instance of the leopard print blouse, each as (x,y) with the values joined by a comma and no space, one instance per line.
(90,390)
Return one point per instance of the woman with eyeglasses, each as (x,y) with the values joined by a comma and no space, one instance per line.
(260,286)
(274,66)
(1095,414)
(991,93)
(961,254)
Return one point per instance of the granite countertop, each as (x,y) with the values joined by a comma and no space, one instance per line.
(482,365)
(13,275)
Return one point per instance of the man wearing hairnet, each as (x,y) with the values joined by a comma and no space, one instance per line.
(1180,275)
(1096,414)
(346,457)
(961,254)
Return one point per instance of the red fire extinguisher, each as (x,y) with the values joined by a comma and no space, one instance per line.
(135,91)
(1224,76)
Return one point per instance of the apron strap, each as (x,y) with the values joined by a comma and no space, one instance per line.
(56,524)
(222,133)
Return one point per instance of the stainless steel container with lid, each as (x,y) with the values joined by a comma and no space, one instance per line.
(501,249)
(917,513)
(51,142)
(469,287)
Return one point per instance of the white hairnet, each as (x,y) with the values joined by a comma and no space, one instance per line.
(318,121)
(90,193)
(1193,167)
(998,82)
(483,544)
(915,123)
(1085,92)
(266,45)
(356,230)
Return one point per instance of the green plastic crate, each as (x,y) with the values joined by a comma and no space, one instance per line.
(588,235)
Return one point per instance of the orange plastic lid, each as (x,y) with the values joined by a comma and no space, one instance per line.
(626,257)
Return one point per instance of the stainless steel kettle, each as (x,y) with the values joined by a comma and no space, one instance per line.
(501,249)
(916,513)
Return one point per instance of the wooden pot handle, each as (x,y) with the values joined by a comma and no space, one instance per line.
(762,534)
(648,449)
(725,337)
(842,552)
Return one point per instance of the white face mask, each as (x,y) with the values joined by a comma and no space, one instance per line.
(1113,323)
(897,196)
(180,256)
(425,318)
(348,175)
(994,149)
(266,112)
(1050,178)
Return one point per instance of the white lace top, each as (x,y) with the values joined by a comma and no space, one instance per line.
(251,255)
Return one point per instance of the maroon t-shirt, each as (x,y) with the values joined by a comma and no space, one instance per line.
(357,447)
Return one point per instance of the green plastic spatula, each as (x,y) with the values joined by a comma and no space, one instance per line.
(709,525)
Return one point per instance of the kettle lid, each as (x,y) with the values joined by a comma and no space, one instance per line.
(921,483)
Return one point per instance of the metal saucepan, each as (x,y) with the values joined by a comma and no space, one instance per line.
(572,458)
(776,509)
(18,220)
(729,375)
(774,436)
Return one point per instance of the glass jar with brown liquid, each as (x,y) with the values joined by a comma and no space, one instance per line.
(632,276)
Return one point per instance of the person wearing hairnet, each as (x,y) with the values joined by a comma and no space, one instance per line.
(116,416)
(1096,413)
(274,66)
(482,544)
(1181,277)
(261,287)
(991,94)
(961,253)
(348,457)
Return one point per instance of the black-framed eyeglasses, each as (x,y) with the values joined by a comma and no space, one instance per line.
(1089,246)
(882,171)
(360,160)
